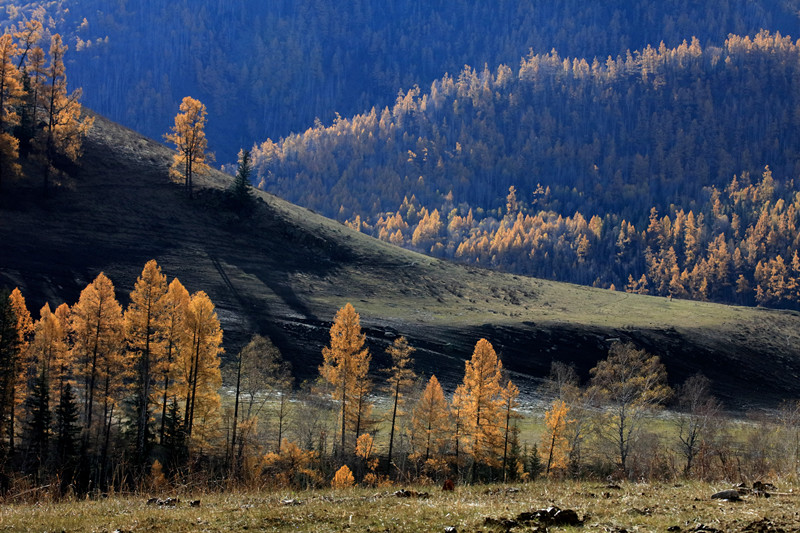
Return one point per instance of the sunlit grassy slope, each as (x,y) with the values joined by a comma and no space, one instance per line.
(284,271)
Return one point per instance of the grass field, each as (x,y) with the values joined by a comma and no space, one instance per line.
(626,507)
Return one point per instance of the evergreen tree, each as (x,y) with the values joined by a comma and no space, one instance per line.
(9,345)
(38,425)
(66,427)
(240,190)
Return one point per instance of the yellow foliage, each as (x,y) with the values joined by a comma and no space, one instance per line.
(188,135)
(291,466)
(479,400)
(157,480)
(343,478)
(555,447)
(364,445)
(345,367)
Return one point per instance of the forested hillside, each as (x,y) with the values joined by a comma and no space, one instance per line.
(642,172)
(267,69)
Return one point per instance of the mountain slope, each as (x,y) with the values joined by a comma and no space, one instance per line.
(286,62)
(284,271)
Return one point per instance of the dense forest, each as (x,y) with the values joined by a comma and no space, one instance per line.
(265,70)
(641,172)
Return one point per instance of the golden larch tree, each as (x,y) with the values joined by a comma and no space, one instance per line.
(345,364)
(199,365)
(24,329)
(189,137)
(401,378)
(96,328)
(176,302)
(145,322)
(430,423)
(478,397)
(48,350)
(10,98)
(555,448)
(64,128)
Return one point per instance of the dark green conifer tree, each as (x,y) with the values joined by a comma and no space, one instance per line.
(240,190)
(38,426)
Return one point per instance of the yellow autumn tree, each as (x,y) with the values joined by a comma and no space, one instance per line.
(199,365)
(401,377)
(555,448)
(63,367)
(24,327)
(97,333)
(291,466)
(64,128)
(189,137)
(48,351)
(167,387)
(343,479)
(479,400)
(145,321)
(10,98)
(345,366)
(509,404)
(430,424)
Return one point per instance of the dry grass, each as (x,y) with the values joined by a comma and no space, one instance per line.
(632,507)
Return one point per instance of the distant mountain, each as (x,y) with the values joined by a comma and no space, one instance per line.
(266,69)
(283,271)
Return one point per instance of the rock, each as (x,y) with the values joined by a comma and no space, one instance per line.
(291,501)
(732,495)
(153,501)
(450,529)
(194,503)
(566,517)
(552,516)
(763,487)
(674,528)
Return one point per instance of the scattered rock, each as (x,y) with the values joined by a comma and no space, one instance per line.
(552,516)
(449,485)
(169,502)
(291,501)
(403,493)
(194,503)
(731,495)
(762,486)
(450,529)
(702,528)
(674,528)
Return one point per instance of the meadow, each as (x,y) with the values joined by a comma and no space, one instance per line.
(599,505)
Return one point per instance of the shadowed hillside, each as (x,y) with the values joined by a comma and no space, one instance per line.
(284,271)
